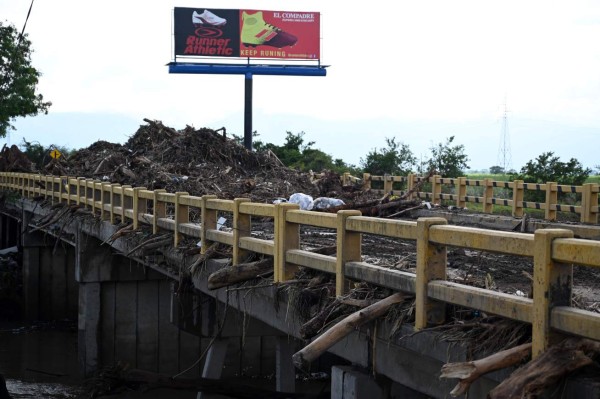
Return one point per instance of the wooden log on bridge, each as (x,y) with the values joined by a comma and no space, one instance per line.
(247,271)
(316,348)
(468,372)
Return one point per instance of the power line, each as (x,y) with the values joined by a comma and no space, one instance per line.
(15,55)
(25,24)
(504,153)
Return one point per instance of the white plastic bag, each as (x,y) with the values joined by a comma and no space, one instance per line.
(301,199)
(324,203)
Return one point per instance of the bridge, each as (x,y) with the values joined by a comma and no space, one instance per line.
(96,251)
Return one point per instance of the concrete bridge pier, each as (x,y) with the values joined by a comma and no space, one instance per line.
(261,349)
(124,315)
(8,227)
(50,291)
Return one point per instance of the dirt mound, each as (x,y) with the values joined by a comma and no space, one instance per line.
(199,162)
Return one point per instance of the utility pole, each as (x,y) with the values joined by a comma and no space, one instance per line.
(504,155)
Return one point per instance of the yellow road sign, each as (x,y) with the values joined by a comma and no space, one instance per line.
(55,154)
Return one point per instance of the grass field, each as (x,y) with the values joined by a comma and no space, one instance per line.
(504,193)
(480,176)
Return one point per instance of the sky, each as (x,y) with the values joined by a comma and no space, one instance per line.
(417,71)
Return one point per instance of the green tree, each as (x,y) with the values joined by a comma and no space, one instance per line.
(448,160)
(496,170)
(295,153)
(18,79)
(396,159)
(549,168)
(290,153)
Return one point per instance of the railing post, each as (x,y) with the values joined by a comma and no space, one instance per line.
(551,199)
(488,194)
(64,188)
(388,184)
(287,236)
(49,188)
(125,202)
(105,198)
(35,188)
(241,228)
(348,249)
(96,195)
(25,186)
(159,210)
(345,178)
(137,206)
(436,189)
(78,189)
(89,194)
(588,202)
(209,222)
(431,265)
(366,181)
(552,286)
(114,197)
(32,185)
(182,215)
(517,207)
(58,188)
(410,185)
(461,192)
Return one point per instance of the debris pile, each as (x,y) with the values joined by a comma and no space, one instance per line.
(199,162)
(13,160)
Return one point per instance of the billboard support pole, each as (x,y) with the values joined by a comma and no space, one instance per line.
(248,111)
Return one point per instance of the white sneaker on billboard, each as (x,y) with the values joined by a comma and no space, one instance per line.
(207,18)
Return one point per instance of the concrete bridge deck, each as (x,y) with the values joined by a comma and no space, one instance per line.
(141,310)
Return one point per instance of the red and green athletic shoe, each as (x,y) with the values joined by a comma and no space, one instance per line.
(256,32)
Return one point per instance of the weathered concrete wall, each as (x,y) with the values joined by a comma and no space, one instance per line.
(50,291)
(9,231)
(124,314)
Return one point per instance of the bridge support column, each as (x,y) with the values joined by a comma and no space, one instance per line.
(124,315)
(88,327)
(31,270)
(285,372)
(213,365)
(50,291)
(349,383)
(9,232)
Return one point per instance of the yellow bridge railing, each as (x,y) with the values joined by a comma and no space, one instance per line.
(554,251)
(489,192)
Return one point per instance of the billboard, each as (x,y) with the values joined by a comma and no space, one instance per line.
(215,32)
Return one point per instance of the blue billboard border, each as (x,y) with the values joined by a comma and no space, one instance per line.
(244,69)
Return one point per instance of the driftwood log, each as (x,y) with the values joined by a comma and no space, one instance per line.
(236,274)
(210,252)
(547,369)
(313,326)
(316,348)
(468,372)
(247,271)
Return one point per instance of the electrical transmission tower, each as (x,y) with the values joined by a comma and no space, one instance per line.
(504,156)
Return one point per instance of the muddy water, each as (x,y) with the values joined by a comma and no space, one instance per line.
(40,361)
